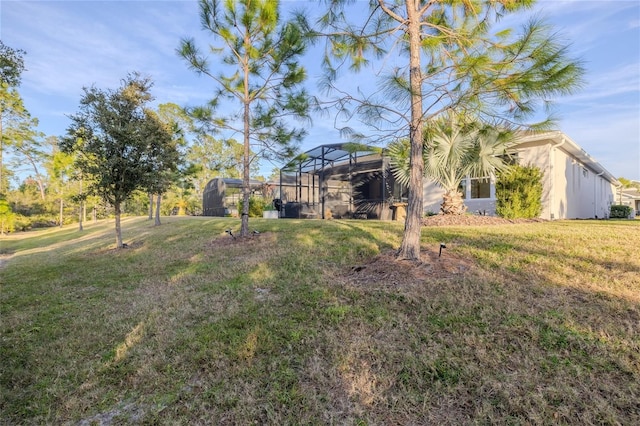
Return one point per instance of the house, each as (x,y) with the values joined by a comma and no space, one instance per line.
(352,180)
(575,186)
(629,197)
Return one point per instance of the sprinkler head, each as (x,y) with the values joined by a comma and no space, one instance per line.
(442,245)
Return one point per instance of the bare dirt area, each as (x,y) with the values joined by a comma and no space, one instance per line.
(384,271)
(471,220)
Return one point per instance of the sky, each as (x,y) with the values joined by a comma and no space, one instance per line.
(76,44)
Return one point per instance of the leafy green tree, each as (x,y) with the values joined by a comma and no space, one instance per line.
(454,148)
(11,65)
(442,55)
(205,157)
(217,158)
(26,147)
(165,154)
(12,110)
(261,74)
(7,217)
(16,124)
(116,141)
(60,170)
(519,192)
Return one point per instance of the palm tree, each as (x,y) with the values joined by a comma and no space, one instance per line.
(455,147)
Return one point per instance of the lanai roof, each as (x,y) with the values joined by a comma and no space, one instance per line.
(319,157)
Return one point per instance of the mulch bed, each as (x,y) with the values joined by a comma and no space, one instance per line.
(471,220)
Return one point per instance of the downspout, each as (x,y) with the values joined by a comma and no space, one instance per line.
(551,177)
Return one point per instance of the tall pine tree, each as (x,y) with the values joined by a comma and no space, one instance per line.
(261,77)
(442,55)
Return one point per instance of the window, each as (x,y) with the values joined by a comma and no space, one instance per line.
(481,188)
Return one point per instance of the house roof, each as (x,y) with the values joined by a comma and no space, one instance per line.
(235,183)
(560,140)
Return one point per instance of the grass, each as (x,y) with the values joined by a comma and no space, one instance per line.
(188,327)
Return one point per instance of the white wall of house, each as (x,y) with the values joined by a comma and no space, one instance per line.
(574,185)
(629,197)
(479,196)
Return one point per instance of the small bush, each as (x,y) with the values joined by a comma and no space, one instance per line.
(256,206)
(620,212)
(22,223)
(519,192)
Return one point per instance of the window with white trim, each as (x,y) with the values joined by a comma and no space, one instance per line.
(480,187)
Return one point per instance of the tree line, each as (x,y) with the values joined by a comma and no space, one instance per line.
(445,73)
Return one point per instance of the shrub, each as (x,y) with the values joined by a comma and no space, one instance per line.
(519,192)
(7,217)
(620,212)
(256,206)
(22,223)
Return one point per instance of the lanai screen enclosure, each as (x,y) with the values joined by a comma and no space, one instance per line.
(343,180)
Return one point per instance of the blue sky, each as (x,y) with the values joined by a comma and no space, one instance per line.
(71,44)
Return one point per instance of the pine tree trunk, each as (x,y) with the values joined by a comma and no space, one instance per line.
(246,181)
(410,246)
(158,200)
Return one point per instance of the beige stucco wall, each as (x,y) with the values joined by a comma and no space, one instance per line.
(433,193)
(540,155)
(571,190)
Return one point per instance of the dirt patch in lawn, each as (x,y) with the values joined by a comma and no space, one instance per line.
(254,240)
(385,271)
(471,220)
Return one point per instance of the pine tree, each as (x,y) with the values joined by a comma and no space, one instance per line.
(262,77)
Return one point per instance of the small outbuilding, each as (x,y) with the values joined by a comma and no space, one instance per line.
(222,196)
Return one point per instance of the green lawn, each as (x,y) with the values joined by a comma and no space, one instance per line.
(298,326)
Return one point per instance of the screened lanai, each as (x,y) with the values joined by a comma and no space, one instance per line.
(343,180)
